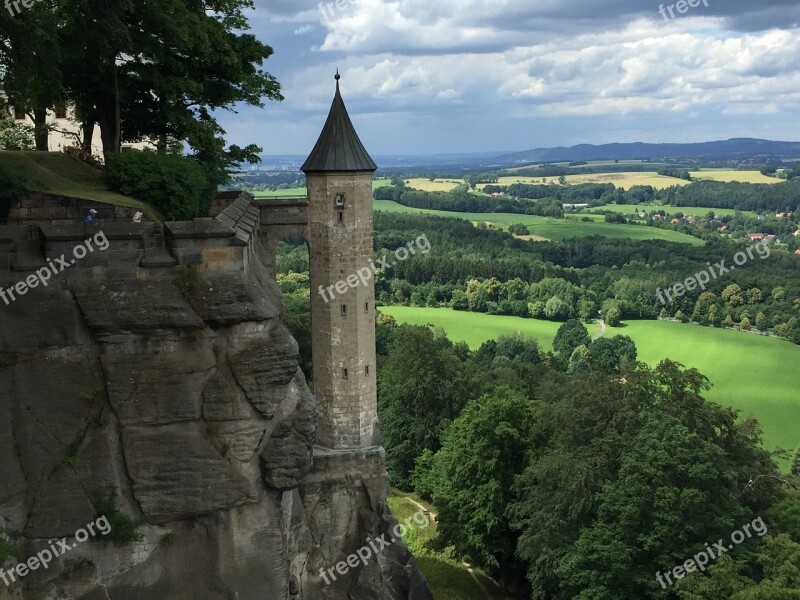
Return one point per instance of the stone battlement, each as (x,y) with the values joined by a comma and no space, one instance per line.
(225,243)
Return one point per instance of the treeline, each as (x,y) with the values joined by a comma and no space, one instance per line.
(676,172)
(757,197)
(549,469)
(460,199)
(572,194)
(486,270)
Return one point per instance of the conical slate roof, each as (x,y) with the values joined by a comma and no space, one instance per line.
(338,147)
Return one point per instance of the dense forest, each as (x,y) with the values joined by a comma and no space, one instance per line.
(577,473)
(486,270)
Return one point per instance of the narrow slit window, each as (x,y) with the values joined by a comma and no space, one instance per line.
(344,373)
(344,310)
(366,371)
(341,217)
(366,307)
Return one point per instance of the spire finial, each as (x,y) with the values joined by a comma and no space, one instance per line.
(338,77)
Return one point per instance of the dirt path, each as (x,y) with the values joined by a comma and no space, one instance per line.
(602,331)
(469,568)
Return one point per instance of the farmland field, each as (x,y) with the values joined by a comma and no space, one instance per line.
(741,366)
(697,211)
(627,179)
(553,229)
(733,175)
(437,185)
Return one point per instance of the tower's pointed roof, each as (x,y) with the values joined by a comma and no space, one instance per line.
(338,147)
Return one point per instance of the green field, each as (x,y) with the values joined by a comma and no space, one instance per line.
(554,229)
(697,211)
(288,193)
(749,372)
(302,192)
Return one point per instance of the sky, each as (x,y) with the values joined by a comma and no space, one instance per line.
(444,76)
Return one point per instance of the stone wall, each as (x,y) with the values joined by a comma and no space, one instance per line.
(157,370)
(40,208)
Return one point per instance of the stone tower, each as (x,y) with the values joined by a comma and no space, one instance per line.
(339,177)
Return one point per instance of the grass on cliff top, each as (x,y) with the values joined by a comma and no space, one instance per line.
(447,577)
(60,174)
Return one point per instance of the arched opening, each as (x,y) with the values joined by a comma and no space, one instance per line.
(292,274)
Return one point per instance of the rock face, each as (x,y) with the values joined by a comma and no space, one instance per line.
(161,378)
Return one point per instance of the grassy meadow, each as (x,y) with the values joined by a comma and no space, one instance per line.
(741,366)
(547,228)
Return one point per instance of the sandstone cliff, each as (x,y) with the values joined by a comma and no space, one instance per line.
(157,372)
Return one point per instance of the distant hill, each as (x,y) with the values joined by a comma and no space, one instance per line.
(727,149)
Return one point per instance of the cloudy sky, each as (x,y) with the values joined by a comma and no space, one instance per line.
(439,76)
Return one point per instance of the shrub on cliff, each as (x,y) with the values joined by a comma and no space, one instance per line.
(175,184)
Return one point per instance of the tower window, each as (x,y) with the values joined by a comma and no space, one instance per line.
(61,112)
(366,307)
(19,113)
(344,373)
(339,201)
(344,310)
(341,217)
(366,371)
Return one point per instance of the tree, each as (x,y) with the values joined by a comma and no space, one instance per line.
(729,578)
(713,316)
(482,452)
(556,309)
(569,336)
(761,321)
(796,463)
(609,354)
(422,387)
(745,323)
(158,68)
(733,295)
(631,475)
(612,313)
(31,54)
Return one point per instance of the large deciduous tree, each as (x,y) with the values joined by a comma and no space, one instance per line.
(157,69)
(30,64)
(630,475)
